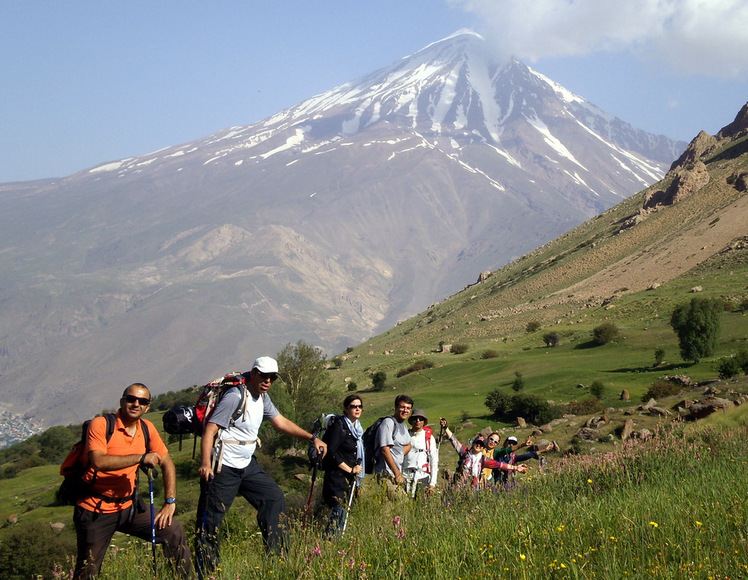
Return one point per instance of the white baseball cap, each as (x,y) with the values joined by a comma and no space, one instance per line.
(266,364)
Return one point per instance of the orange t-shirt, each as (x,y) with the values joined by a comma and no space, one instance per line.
(119,483)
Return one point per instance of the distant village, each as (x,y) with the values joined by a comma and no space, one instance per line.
(15,428)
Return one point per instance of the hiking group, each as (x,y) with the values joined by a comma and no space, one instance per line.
(102,470)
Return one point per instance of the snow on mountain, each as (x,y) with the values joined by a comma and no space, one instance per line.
(328,222)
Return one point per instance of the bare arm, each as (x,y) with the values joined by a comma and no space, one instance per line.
(104,462)
(205,471)
(290,428)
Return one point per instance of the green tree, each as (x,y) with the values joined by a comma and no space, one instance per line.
(697,325)
(378,379)
(659,356)
(309,386)
(551,338)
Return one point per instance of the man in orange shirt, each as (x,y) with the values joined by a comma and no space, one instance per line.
(112,503)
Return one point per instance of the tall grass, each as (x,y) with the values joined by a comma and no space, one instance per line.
(669,507)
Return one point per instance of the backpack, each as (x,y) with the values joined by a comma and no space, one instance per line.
(321,428)
(73,467)
(193,418)
(370,444)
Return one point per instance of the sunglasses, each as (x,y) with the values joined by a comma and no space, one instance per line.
(417,419)
(144,401)
(355,406)
(265,376)
(493,440)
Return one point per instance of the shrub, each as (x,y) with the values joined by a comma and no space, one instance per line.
(499,403)
(584,407)
(659,356)
(743,305)
(532,326)
(489,354)
(352,386)
(660,389)
(518,383)
(697,325)
(418,365)
(604,333)
(597,389)
(742,358)
(728,367)
(534,409)
(551,339)
(459,348)
(34,550)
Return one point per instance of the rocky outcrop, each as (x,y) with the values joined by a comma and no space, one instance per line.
(738,127)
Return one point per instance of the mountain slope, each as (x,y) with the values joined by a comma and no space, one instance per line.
(327,222)
(692,223)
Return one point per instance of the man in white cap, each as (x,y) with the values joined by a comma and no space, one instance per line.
(228,466)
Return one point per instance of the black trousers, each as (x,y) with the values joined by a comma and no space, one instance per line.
(95,530)
(216,497)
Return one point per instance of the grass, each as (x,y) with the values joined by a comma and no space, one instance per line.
(671,507)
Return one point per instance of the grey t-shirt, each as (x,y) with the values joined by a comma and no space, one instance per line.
(395,436)
(245,428)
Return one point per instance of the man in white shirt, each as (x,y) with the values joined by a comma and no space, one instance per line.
(228,467)
(421,465)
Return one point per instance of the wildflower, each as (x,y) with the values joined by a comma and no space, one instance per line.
(396,520)
(698,523)
(654,524)
(522,557)
(317,550)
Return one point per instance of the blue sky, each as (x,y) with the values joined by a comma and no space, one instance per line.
(84,82)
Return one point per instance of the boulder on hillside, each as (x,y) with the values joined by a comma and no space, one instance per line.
(627,430)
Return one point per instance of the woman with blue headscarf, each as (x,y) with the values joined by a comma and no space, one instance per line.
(344,460)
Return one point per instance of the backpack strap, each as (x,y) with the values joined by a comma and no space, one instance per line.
(111,420)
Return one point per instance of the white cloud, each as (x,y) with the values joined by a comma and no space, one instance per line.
(707,37)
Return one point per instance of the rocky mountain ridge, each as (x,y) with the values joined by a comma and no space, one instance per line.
(327,223)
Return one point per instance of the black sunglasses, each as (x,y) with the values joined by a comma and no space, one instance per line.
(355,406)
(144,401)
(265,376)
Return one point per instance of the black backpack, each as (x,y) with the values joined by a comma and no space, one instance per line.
(73,488)
(370,444)
(321,428)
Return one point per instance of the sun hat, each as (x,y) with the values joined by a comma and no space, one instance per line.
(417,413)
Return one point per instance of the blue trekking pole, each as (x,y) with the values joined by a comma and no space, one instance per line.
(152,474)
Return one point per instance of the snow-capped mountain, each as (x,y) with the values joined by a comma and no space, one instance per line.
(327,222)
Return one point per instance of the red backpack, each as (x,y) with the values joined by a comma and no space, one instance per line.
(192,419)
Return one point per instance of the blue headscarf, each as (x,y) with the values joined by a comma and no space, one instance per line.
(358,433)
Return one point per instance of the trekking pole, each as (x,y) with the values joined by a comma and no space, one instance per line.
(152,474)
(350,501)
(314,457)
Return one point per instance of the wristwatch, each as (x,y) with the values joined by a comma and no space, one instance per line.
(171,500)
(313,437)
